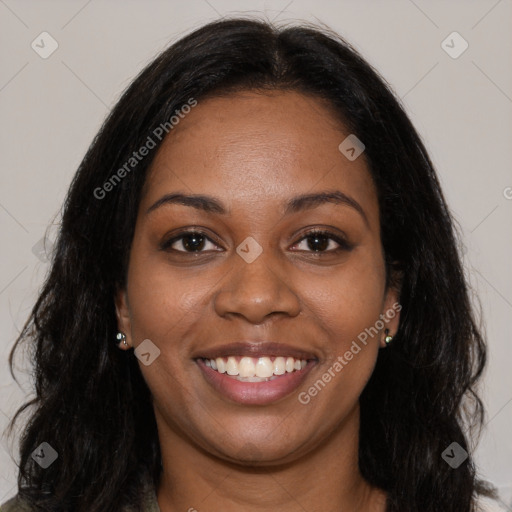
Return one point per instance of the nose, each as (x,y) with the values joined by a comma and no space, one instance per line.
(256,290)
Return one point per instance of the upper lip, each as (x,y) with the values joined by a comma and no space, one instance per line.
(255,349)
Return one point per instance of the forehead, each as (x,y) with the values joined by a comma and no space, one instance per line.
(258,147)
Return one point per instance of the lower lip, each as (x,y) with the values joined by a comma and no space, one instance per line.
(254,393)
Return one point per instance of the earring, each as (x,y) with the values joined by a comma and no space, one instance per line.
(121,337)
(388,337)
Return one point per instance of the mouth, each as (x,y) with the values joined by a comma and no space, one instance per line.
(253,374)
(252,369)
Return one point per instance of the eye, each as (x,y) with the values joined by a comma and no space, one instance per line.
(316,241)
(319,241)
(189,241)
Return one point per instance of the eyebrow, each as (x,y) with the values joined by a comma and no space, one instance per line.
(307,201)
(296,204)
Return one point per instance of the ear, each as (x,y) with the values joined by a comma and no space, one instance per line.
(123,317)
(390,313)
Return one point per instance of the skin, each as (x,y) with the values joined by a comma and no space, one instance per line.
(253,152)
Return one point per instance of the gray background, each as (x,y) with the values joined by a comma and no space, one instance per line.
(51,109)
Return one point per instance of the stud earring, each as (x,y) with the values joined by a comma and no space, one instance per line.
(121,337)
(388,337)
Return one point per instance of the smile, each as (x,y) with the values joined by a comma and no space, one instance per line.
(255,369)
(255,381)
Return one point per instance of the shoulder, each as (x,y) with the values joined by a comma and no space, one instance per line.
(14,505)
(150,502)
(489,505)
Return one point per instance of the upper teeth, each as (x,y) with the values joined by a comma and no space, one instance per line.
(256,367)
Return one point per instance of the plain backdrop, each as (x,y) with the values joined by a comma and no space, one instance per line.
(51,108)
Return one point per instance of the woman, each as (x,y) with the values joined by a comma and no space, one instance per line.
(256,300)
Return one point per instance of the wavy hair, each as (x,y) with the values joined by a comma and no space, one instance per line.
(92,404)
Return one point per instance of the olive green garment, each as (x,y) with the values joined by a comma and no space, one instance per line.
(150,502)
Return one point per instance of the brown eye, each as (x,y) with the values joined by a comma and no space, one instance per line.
(317,242)
(322,241)
(190,241)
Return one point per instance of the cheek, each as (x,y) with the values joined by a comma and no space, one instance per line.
(161,300)
(167,306)
(348,301)
(346,306)
(164,310)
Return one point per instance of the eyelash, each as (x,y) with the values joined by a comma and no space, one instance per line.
(343,244)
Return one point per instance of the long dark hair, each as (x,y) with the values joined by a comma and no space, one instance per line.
(92,404)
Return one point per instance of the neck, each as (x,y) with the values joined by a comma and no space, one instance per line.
(327,478)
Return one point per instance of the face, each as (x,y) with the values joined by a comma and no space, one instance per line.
(263,269)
